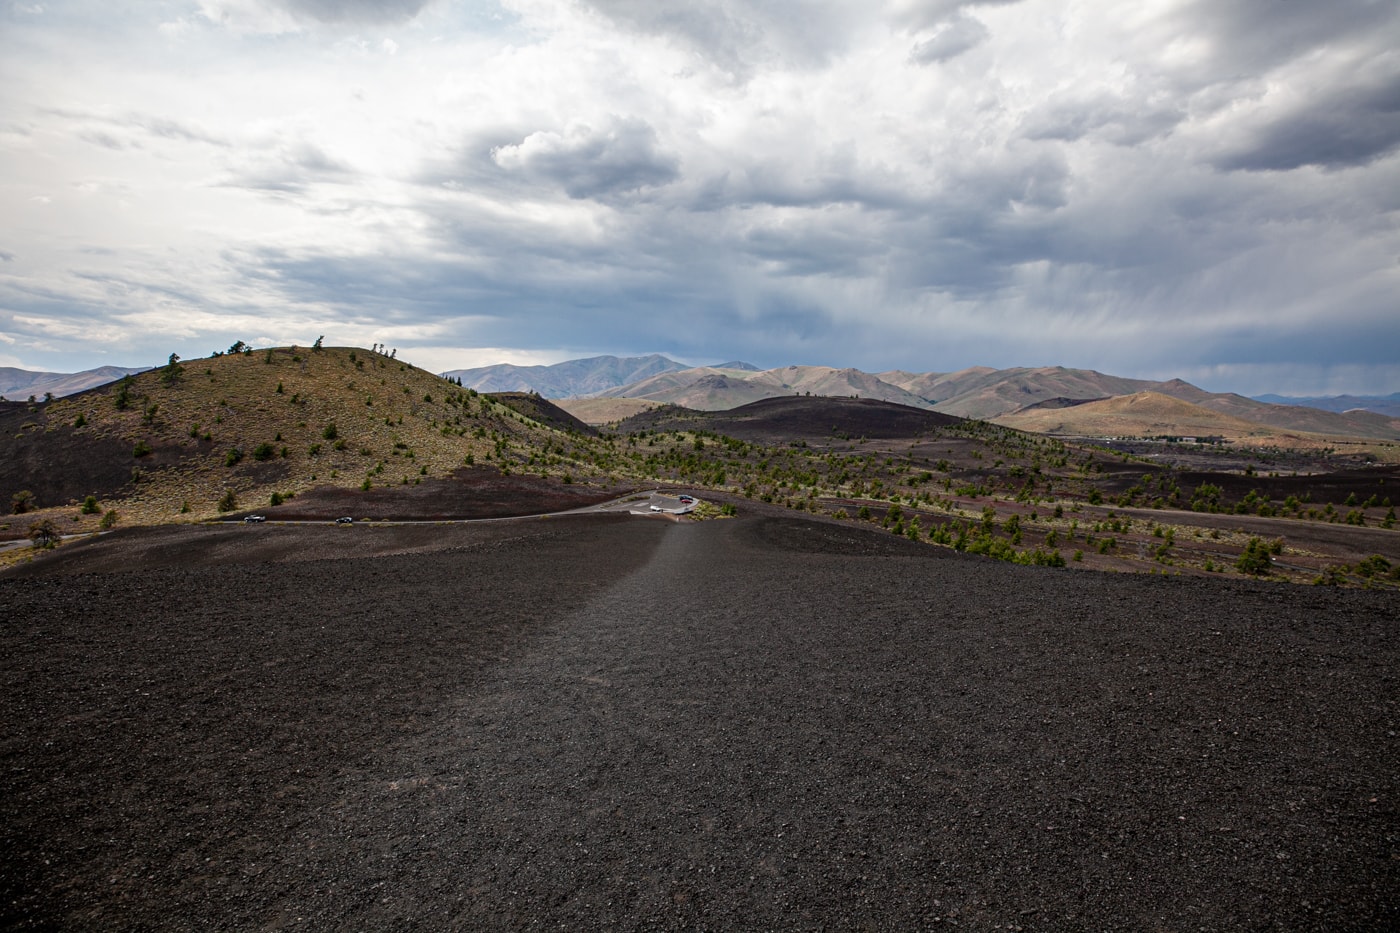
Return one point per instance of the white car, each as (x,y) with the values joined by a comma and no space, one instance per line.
(254,519)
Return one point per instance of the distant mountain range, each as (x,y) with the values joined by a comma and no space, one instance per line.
(1016,395)
(18,384)
(978,392)
(576,378)
(1381,404)
(570,379)
(988,394)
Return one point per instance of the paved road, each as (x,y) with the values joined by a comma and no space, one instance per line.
(25,542)
(653,502)
(648,503)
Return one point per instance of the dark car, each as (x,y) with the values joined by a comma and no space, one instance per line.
(344,520)
(254,519)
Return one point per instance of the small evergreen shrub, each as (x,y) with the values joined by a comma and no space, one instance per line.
(1255,558)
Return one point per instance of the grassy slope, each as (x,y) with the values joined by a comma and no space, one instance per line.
(392,422)
(385,410)
(1148,414)
(596,411)
(1141,414)
(982,393)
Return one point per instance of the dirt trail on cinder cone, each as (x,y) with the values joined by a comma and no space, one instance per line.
(763,723)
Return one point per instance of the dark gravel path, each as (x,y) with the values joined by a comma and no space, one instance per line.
(755,724)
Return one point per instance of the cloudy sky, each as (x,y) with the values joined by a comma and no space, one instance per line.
(1207,189)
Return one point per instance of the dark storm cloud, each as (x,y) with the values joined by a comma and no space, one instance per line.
(1252,36)
(777,185)
(1072,116)
(498,302)
(835,222)
(654,281)
(588,162)
(1317,339)
(772,242)
(1319,82)
(706,27)
(836,253)
(1340,128)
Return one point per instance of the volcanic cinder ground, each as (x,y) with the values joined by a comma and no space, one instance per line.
(620,723)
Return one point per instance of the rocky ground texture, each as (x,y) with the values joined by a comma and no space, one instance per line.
(761,723)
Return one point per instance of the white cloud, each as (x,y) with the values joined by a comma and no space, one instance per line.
(440,359)
(950,40)
(587,162)
(249,17)
(919,183)
(279,17)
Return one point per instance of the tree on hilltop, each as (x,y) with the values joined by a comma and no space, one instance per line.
(172,371)
(123,397)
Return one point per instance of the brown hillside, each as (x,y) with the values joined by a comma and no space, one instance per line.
(596,411)
(1150,414)
(1312,420)
(664,387)
(786,418)
(975,394)
(836,383)
(716,392)
(710,389)
(1055,404)
(934,386)
(281,420)
(982,393)
(544,411)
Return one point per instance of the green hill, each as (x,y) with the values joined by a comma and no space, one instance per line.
(171,443)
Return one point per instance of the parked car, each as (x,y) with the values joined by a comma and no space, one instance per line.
(344,520)
(254,519)
(688,500)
